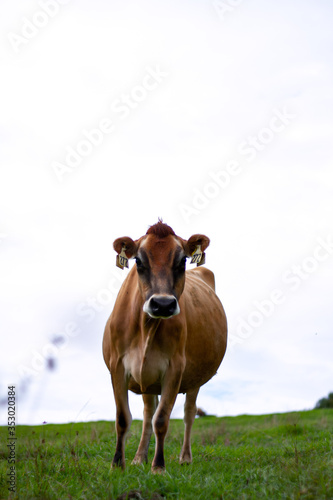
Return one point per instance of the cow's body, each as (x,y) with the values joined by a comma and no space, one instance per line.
(167,334)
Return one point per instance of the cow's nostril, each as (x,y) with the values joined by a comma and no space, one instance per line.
(163,306)
(154,305)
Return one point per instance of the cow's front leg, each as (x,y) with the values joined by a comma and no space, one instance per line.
(170,388)
(123,415)
(150,404)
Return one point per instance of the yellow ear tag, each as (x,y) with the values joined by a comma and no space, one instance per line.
(122,260)
(198,257)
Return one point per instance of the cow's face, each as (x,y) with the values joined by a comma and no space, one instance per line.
(160,265)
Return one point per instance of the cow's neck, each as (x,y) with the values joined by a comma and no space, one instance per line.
(149,328)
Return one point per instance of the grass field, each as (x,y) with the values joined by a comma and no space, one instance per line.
(276,456)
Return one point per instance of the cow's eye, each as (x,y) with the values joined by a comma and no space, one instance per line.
(139,265)
(182,263)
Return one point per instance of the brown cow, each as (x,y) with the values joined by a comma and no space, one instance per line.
(167,334)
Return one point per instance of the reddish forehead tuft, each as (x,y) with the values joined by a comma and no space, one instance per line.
(160,230)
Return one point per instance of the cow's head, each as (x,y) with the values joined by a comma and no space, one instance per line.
(160,263)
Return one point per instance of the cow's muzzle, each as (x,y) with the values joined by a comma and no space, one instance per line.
(161,306)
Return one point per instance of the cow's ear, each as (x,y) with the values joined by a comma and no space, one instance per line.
(196,240)
(126,243)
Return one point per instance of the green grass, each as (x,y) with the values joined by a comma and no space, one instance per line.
(247,457)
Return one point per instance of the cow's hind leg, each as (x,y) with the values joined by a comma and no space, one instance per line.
(150,404)
(190,410)
(123,415)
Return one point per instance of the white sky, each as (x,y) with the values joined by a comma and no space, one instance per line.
(214,90)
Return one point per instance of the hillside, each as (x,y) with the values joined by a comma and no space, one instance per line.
(246,457)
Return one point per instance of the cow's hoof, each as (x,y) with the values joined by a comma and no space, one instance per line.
(158,470)
(117,465)
(185,459)
(139,460)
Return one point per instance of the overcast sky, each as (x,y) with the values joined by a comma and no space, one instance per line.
(215,116)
